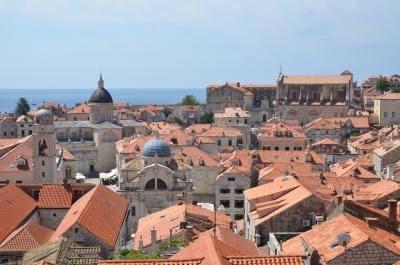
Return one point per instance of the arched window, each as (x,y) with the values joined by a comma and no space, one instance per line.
(264,117)
(150,185)
(161,185)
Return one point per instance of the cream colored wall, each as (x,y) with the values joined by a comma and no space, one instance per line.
(392,110)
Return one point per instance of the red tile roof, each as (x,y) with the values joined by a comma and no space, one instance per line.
(216,131)
(267,260)
(82,108)
(390,96)
(194,261)
(100,211)
(15,207)
(25,238)
(211,249)
(55,196)
(321,237)
(22,149)
(170,218)
(197,128)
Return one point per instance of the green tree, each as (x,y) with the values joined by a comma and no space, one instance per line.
(382,85)
(190,100)
(22,107)
(395,90)
(207,117)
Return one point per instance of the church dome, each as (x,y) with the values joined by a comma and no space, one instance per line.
(101,95)
(43,116)
(346,72)
(156,147)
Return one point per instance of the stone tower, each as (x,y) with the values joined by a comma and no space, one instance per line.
(44,148)
(101,104)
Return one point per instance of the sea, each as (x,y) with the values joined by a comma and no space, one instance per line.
(134,96)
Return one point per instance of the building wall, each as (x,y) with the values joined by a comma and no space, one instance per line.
(77,116)
(232,182)
(293,143)
(388,111)
(24,129)
(8,129)
(368,253)
(51,218)
(291,220)
(307,113)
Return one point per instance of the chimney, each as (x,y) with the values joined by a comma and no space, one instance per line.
(153,236)
(238,84)
(392,210)
(140,244)
(372,221)
(189,233)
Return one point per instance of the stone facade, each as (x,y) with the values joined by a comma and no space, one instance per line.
(8,128)
(295,219)
(305,98)
(229,193)
(368,253)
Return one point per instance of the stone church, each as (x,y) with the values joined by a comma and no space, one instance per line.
(92,142)
(154,180)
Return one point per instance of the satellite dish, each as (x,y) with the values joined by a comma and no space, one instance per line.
(343,239)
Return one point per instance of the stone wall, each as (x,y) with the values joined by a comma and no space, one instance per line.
(368,253)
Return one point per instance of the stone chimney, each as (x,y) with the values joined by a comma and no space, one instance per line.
(372,221)
(238,84)
(153,236)
(392,210)
(189,233)
(180,199)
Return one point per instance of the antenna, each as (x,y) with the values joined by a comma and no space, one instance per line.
(280,70)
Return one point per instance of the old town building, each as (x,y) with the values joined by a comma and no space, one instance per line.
(308,97)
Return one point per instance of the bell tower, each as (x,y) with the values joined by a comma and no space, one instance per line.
(44,152)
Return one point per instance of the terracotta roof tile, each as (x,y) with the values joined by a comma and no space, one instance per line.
(55,197)
(170,218)
(197,128)
(22,149)
(15,207)
(216,131)
(233,112)
(359,232)
(194,261)
(211,249)
(376,191)
(316,79)
(390,96)
(195,155)
(82,108)
(25,238)
(267,260)
(100,211)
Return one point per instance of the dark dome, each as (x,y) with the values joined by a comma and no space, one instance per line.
(156,146)
(100,95)
(346,72)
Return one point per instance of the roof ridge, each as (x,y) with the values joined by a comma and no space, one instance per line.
(17,147)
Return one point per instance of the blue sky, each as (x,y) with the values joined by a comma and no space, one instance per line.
(192,43)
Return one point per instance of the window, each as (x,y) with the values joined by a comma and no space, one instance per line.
(237,121)
(219,142)
(225,203)
(54,214)
(239,141)
(306,222)
(133,211)
(43,163)
(231,179)
(393,114)
(76,229)
(238,216)
(245,121)
(30,132)
(287,148)
(5,133)
(23,133)
(239,191)
(74,118)
(276,148)
(224,191)
(239,203)
(19,182)
(22,126)
(230,142)
(266,147)
(43,175)
(385,114)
